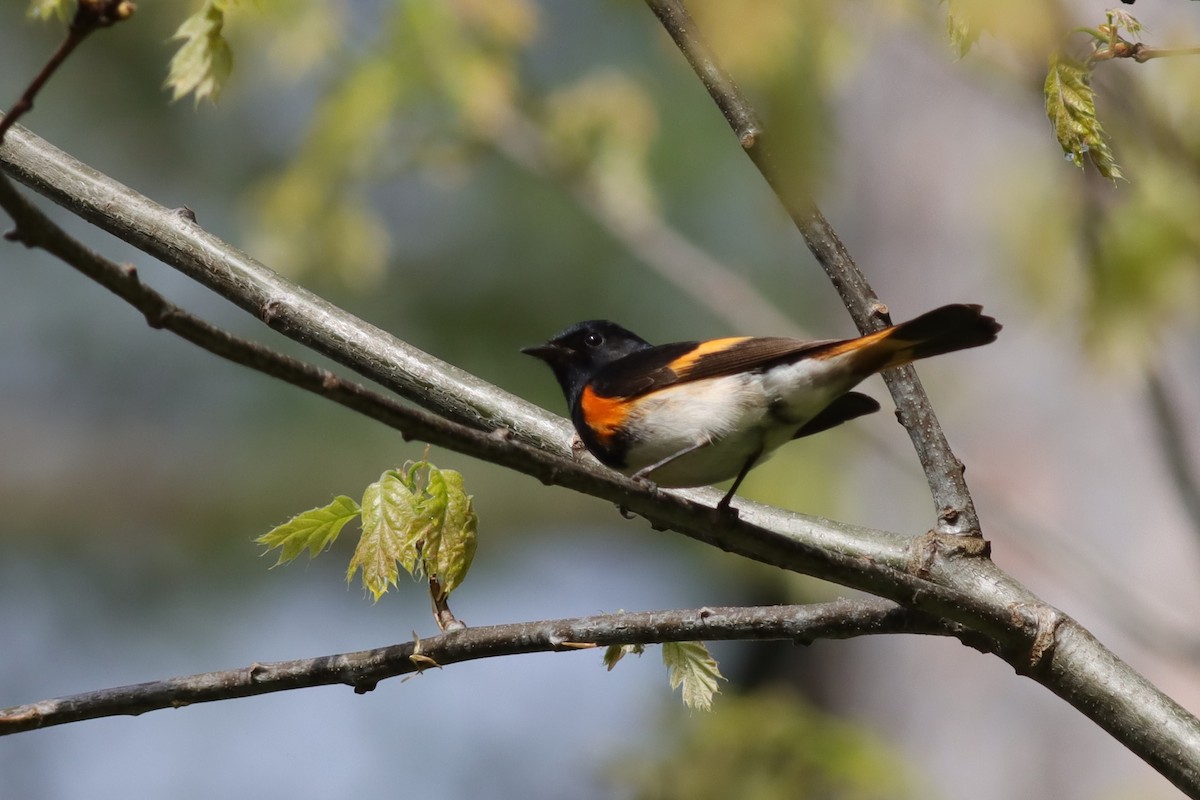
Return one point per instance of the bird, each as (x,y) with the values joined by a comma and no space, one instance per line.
(701,412)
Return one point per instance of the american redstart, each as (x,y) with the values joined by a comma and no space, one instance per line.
(695,413)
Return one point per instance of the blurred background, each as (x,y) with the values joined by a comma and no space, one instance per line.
(474,176)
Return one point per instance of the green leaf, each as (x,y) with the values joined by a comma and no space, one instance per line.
(1071,107)
(45,9)
(615,652)
(690,665)
(314,530)
(431,510)
(388,513)
(457,543)
(963,34)
(204,60)
(1120,19)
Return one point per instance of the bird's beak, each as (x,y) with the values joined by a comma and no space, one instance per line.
(549,352)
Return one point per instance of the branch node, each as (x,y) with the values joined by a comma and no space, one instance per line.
(748,138)
(931,545)
(1044,622)
(92,14)
(156,317)
(269,311)
(186,213)
(578,448)
(362,687)
(880,311)
(17,235)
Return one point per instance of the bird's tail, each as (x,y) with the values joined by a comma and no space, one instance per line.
(943,330)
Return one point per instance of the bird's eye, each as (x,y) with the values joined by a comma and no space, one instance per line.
(593,340)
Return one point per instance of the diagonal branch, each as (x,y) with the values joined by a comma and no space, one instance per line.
(944,472)
(840,619)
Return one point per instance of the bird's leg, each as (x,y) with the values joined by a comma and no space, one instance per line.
(642,475)
(723,506)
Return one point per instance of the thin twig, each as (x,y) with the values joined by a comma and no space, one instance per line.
(1138,51)
(944,472)
(90,15)
(840,619)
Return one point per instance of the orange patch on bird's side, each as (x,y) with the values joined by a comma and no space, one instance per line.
(681,365)
(604,415)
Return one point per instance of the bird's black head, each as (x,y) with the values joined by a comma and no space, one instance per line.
(583,349)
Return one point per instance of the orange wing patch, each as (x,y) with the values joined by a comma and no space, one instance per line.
(604,415)
(681,365)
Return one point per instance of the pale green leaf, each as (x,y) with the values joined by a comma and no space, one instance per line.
(45,9)
(314,530)
(689,665)
(615,652)
(388,513)
(457,546)
(1071,107)
(959,27)
(204,60)
(1120,19)
(431,510)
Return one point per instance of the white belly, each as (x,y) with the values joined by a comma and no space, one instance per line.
(732,417)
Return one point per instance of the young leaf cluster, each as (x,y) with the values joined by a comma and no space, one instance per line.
(1071,107)
(418,518)
(204,60)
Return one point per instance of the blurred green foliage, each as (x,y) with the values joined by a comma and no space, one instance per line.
(439,90)
(771,745)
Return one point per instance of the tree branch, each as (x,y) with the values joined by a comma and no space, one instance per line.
(944,472)
(889,556)
(947,577)
(840,619)
(1138,51)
